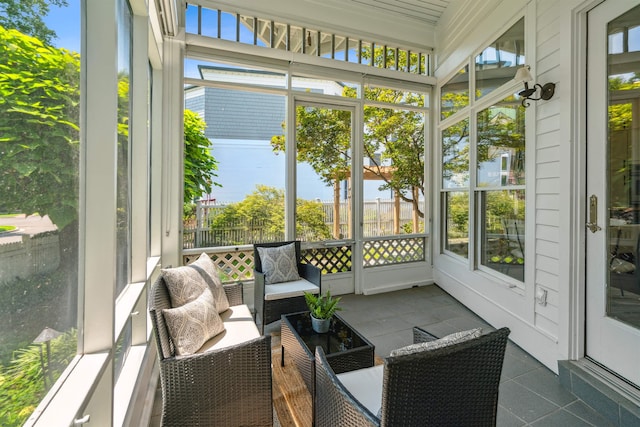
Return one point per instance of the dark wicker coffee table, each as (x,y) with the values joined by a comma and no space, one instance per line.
(345,348)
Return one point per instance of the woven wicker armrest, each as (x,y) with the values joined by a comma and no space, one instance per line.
(311,273)
(334,405)
(234,293)
(420,335)
(258,297)
(235,383)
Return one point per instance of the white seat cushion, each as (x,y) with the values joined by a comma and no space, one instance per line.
(289,289)
(239,327)
(366,386)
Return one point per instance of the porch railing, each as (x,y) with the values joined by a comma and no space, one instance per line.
(394,250)
(378,221)
(236,262)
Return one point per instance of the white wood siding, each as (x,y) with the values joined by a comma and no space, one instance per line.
(547,173)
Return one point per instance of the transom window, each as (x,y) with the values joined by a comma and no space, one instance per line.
(267,33)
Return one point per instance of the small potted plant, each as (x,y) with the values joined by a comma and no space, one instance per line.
(322,308)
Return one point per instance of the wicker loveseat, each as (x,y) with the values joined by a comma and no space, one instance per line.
(227,382)
(456,385)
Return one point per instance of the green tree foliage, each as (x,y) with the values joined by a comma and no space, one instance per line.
(264,210)
(502,127)
(620,115)
(39,157)
(39,88)
(22,385)
(455,94)
(398,136)
(458,212)
(26,17)
(455,153)
(412,62)
(504,205)
(199,164)
(324,142)
(323,136)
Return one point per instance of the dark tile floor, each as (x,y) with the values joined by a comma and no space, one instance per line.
(530,394)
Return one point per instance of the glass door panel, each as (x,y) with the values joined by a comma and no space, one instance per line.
(324,135)
(623,170)
(613,190)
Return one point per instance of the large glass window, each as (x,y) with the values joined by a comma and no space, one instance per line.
(455,176)
(456,222)
(500,144)
(234,98)
(454,94)
(455,155)
(502,231)
(498,62)
(488,192)
(500,153)
(123,250)
(243,131)
(324,153)
(39,163)
(393,162)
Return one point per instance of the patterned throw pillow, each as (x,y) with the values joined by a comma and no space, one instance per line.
(455,338)
(279,263)
(186,283)
(192,324)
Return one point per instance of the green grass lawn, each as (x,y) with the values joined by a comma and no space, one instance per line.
(5,228)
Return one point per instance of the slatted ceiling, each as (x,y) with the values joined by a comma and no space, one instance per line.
(428,11)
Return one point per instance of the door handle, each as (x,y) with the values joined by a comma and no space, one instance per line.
(592,225)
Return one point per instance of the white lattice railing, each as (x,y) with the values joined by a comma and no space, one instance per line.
(236,262)
(394,250)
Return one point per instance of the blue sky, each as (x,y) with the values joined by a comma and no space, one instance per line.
(65,22)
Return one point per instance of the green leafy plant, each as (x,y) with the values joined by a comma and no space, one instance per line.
(322,306)
(199,164)
(23,383)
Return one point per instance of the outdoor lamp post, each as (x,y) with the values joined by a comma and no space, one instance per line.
(46,336)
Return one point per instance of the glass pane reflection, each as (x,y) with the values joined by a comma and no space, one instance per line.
(454,94)
(455,155)
(501,144)
(503,235)
(497,64)
(623,296)
(456,204)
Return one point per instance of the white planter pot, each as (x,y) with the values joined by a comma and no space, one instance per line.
(321,326)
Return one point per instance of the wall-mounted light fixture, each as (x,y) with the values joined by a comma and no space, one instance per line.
(528,94)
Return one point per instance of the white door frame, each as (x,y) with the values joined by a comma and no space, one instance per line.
(348,282)
(607,341)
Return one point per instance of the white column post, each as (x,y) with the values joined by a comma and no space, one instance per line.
(173,151)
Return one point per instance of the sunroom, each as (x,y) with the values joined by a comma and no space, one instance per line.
(484,148)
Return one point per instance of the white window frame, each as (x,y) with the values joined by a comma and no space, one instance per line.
(475,106)
(86,390)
